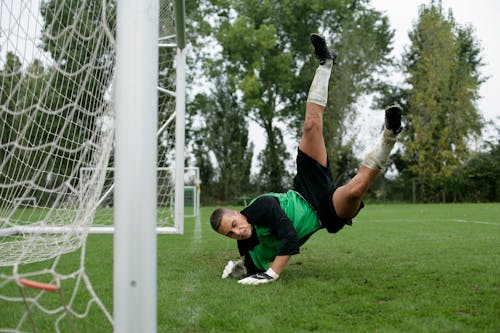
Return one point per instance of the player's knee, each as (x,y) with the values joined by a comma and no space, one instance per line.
(357,190)
(313,124)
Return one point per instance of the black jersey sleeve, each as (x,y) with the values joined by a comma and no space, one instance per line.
(266,212)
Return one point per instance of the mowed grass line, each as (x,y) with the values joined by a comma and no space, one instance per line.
(400,268)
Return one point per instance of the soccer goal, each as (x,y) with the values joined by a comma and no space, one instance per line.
(86,87)
(103,221)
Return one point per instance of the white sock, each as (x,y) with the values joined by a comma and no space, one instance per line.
(318,93)
(377,158)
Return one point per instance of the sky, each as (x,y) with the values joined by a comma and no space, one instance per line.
(481,14)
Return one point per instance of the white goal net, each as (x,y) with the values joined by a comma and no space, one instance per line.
(57,72)
(103,216)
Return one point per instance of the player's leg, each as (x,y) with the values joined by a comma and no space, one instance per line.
(312,142)
(347,198)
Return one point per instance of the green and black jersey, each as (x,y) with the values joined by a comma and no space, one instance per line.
(281,222)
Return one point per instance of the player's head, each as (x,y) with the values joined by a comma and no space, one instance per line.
(230,223)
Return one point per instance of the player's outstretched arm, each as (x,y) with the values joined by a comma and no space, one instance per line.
(279,263)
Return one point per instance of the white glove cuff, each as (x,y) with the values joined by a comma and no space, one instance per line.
(272,273)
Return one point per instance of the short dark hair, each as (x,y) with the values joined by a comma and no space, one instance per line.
(216,217)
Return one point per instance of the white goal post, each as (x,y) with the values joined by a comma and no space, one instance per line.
(103,216)
(86,86)
(29,201)
(135,256)
(134,245)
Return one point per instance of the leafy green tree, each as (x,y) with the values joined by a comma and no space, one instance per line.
(207,171)
(166,81)
(267,54)
(442,66)
(20,89)
(10,120)
(74,35)
(225,134)
(11,82)
(480,174)
(253,47)
(363,45)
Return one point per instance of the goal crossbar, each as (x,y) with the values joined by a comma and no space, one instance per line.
(20,230)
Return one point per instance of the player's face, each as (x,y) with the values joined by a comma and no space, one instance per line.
(235,226)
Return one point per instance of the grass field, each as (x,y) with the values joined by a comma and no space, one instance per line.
(400,268)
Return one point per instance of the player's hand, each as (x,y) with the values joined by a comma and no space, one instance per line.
(234,269)
(260,278)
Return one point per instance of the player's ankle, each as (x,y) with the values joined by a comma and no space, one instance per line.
(372,162)
(327,65)
(388,137)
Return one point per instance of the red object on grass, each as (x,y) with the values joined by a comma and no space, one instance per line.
(38,285)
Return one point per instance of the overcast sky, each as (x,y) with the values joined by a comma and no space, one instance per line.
(483,15)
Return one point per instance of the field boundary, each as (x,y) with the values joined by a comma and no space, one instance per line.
(388,220)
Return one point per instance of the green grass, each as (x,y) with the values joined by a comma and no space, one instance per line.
(400,268)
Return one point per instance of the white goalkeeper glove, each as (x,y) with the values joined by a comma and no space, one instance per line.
(260,278)
(234,269)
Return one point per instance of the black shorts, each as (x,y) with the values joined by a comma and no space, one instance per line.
(315,183)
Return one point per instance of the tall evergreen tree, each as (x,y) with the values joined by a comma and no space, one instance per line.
(442,64)
(11,95)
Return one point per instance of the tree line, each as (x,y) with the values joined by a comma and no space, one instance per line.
(257,60)
(256,63)
(50,110)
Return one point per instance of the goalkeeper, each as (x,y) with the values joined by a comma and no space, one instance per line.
(273,226)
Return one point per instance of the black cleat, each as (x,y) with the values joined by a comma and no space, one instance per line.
(321,50)
(393,118)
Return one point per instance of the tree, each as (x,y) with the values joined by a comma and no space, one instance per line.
(225,134)
(268,57)
(480,174)
(166,81)
(442,66)
(363,45)
(11,120)
(74,93)
(252,46)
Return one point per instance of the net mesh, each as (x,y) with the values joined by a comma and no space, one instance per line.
(103,215)
(57,60)
(56,117)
